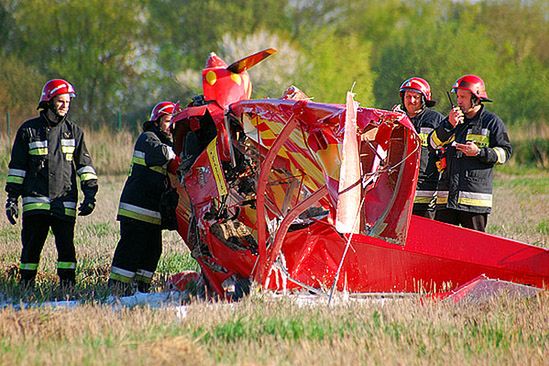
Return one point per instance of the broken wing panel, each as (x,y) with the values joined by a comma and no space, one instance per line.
(389,152)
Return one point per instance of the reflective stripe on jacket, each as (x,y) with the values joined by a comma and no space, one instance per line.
(466,184)
(425,123)
(46,159)
(148,178)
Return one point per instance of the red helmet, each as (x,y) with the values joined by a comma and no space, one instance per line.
(418,85)
(474,84)
(56,87)
(161,109)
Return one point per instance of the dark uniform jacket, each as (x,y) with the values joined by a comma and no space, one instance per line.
(425,123)
(46,159)
(466,183)
(148,177)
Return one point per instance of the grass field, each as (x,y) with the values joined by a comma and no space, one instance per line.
(261,330)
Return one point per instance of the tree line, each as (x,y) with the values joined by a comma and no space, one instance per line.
(123,56)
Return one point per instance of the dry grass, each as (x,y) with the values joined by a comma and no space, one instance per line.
(521,204)
(111,150)
(260,330)
(93,335)
(529,132)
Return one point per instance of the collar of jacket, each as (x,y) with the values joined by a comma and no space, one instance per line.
(476,117)
(49,122)
(164,137)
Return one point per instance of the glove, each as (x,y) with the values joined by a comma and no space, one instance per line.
(174,164)
(86,208)
(12,210)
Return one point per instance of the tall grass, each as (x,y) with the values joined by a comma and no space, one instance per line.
(530,145)
(260,330)
(111,150)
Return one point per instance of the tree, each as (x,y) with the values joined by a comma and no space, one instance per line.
(439,49)
(98,45)
(19,89)
(333,65)
(186,32)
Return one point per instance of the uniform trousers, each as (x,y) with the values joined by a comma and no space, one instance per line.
(33,236)
(471,220)
(137,253)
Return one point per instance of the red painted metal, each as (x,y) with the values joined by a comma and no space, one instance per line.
(290,152)
(283,230)
(436,257)
(261,188)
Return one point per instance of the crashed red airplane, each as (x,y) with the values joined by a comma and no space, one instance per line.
(294,194)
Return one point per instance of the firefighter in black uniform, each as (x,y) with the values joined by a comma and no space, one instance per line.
(476,140)
(48,154)
(415,94)
(140,246)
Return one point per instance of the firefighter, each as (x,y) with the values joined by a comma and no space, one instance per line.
(140,246)
(475,141)
(48,154)
(415,94)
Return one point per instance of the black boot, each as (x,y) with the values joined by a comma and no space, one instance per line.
(67,278)
(119,288)
(143,287)
(27,279)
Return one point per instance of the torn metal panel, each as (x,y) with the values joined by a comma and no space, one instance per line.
(263,183)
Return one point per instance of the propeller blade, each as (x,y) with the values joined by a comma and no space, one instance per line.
(247,62)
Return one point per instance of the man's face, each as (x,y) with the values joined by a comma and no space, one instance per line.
(165,122)
(464,100)
(61,104)
(412,102)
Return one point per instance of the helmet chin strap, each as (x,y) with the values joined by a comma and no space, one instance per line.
(475,100)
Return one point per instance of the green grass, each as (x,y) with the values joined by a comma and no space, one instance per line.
(262,330)
(543,227)
(176,263)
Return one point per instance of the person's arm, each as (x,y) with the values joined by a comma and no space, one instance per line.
(17,171)
(17,165)
(87,174)
(157,153)
(442,136)
(500,148)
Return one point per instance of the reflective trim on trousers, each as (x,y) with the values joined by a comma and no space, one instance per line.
(28,266)
(66,265)
(120,278)
(475,199)
(143,276)
(121,274)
